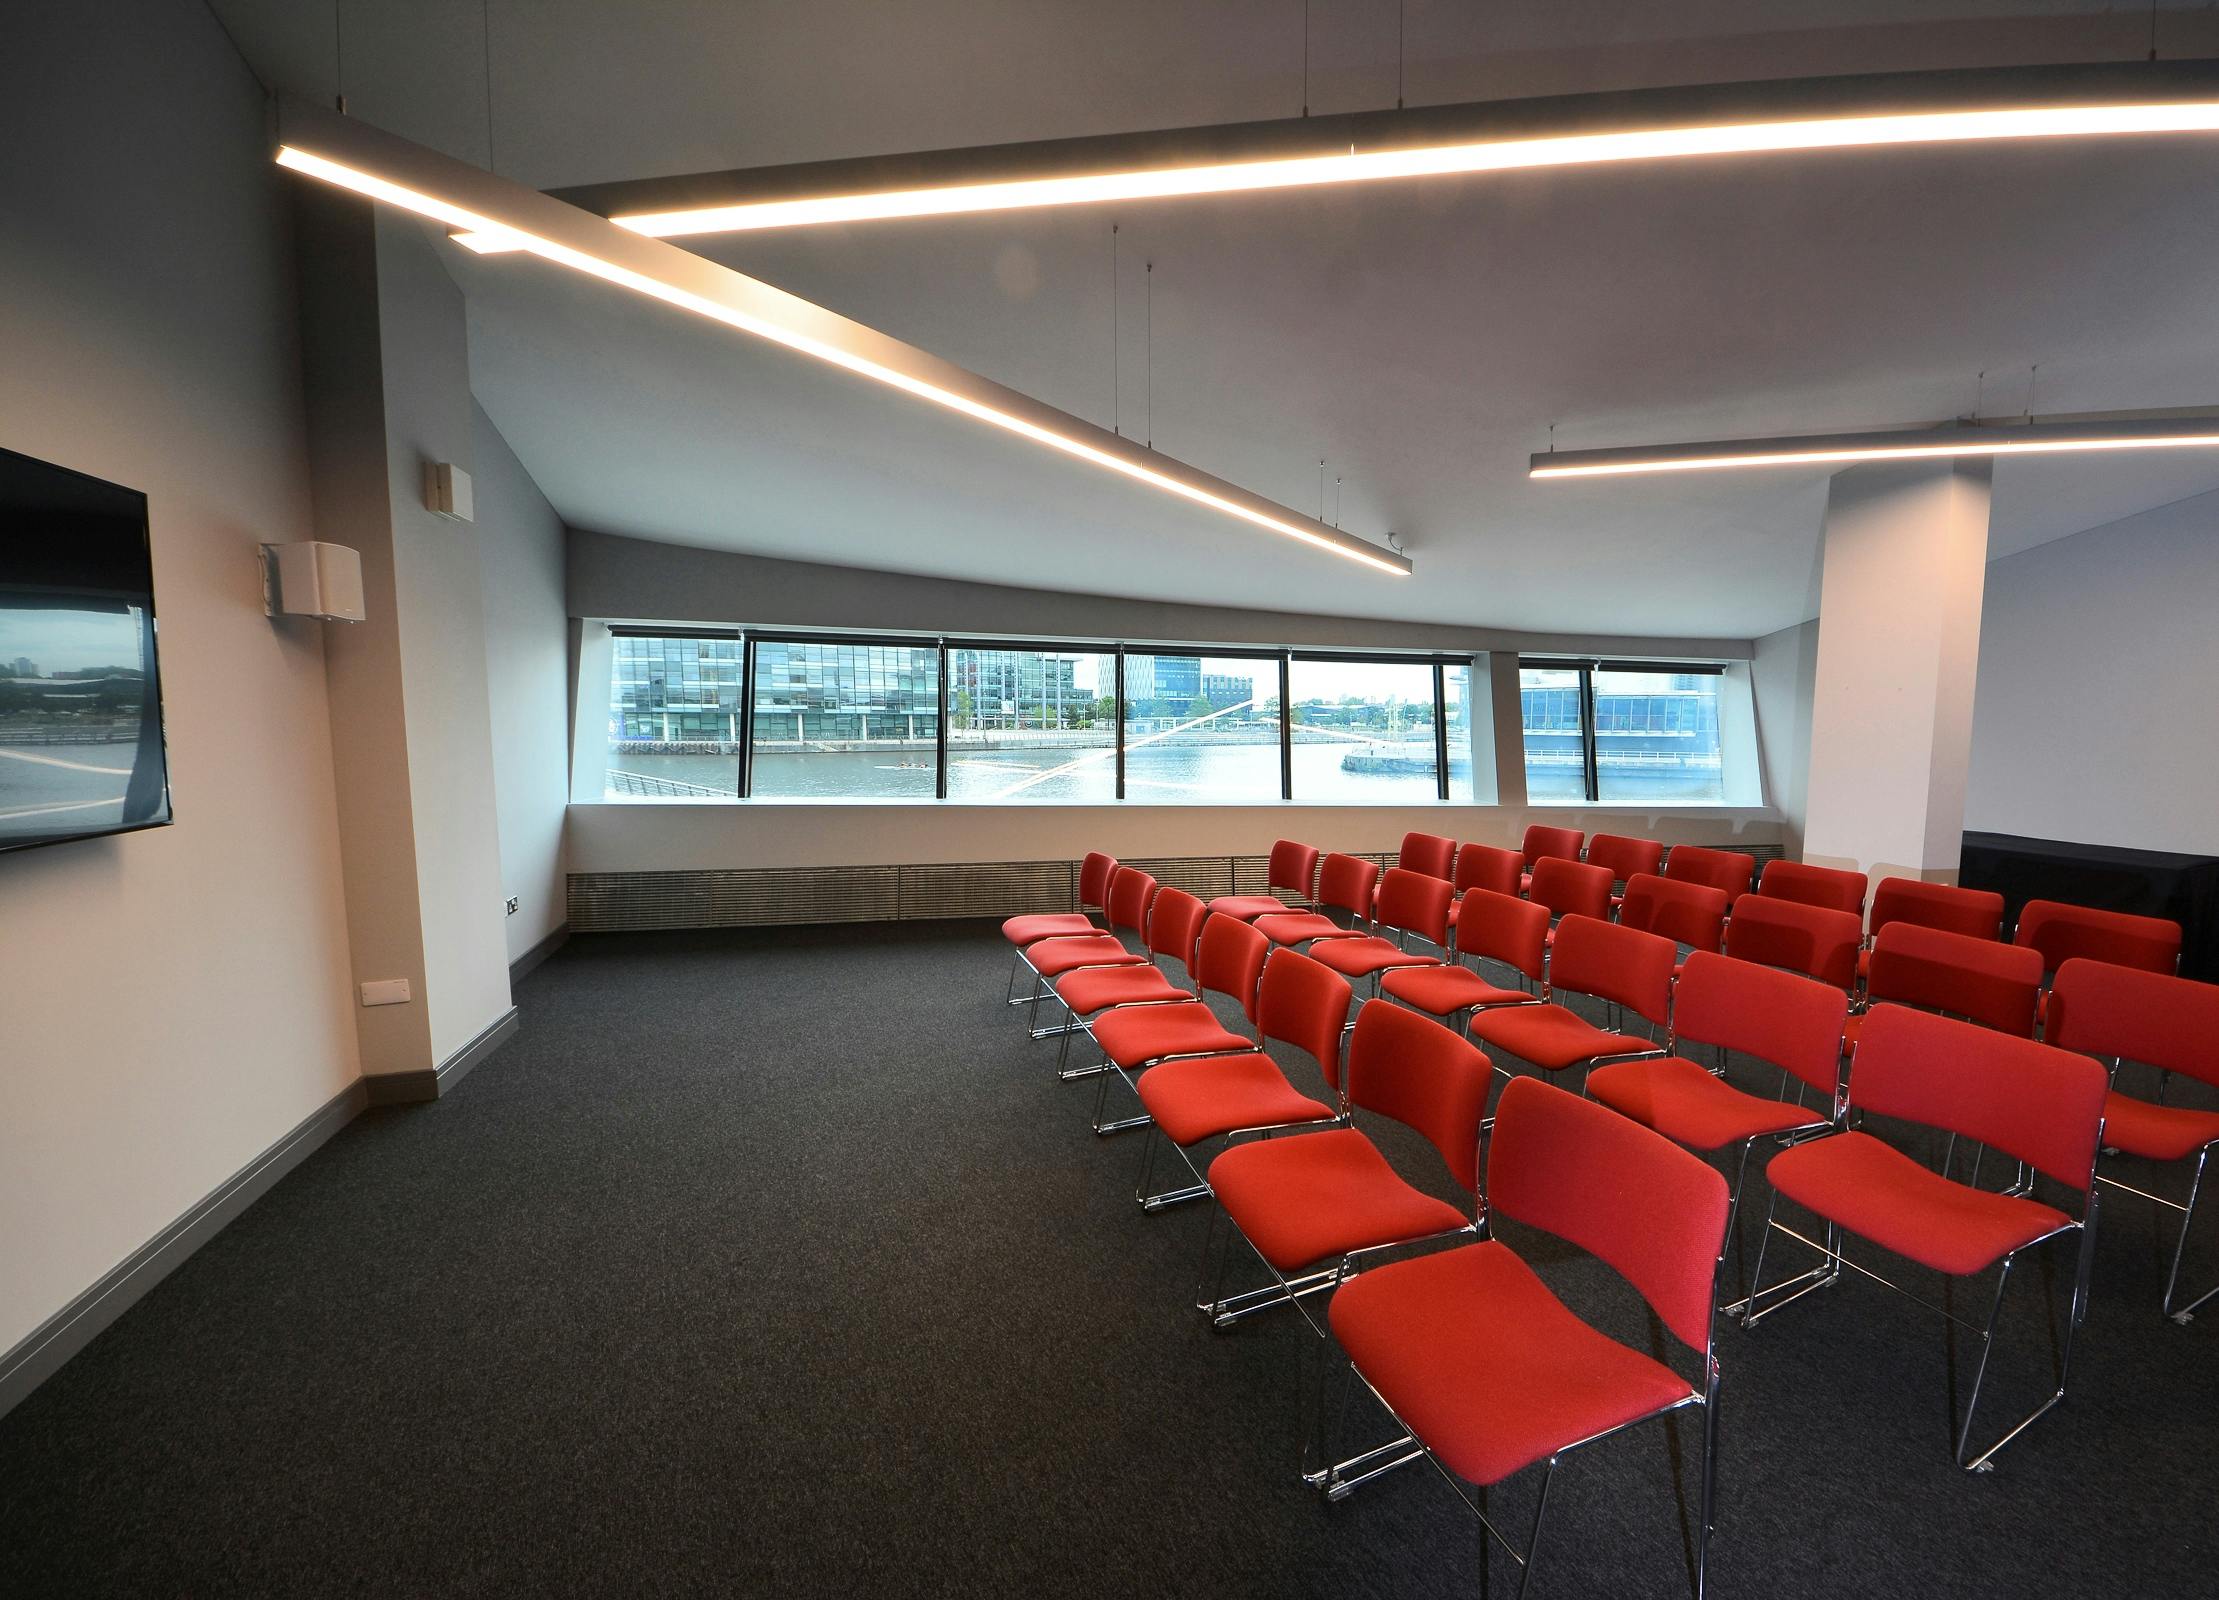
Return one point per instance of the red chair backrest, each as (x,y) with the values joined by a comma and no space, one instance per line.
(1294,867)
(2102,1009)
(1570,888)
(1502,927)
(1805,884)
(1791,1021)
(1995,985)
(1304,1003)
(1230,960)
(1598,958)
(1619,1191)
(1347,882)
(1131,890)
(1625,858)
(1975,913)
(1095,873)
(1543,841)
(1428,853)
(1175,925)
(1416,903)
(1693,914)
(2061,932)
(1486,866)
(1812,940)
(1412,1069)
(1729,870)
(2034,1102)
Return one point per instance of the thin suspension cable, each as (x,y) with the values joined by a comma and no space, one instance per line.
(485,22)
(1400,9)
(339,56)
(1306,57)
(1148,358)
(1116,394)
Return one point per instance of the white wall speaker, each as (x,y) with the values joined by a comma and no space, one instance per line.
(312,579)
(447,491)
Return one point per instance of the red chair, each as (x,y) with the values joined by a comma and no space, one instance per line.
(1345,883)
(1542,843)
(1486,866)
(1489,927)
(1409,903)
(1131,893)
(1975,913)
(2061,932)
(1788,1022)
(1726,870)
(1480,1364)
(1828,887)
(1094,881)
(1690,914)
(1618,966)
(1293,867)
(1625,858)
(1299,1003)
(1570,888)
(2127,1015)
(1811,940)
(1307,1203)
(1229,961)
(1430,854)
(2034,1102)
(1994,985)
(1174,929)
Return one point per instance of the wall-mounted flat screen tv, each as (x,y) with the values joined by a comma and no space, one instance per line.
(80,699)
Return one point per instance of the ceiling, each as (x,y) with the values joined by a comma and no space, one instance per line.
(1419,338)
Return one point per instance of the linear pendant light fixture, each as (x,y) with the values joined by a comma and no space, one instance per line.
(353,155)
(2118,430)
(1984,105)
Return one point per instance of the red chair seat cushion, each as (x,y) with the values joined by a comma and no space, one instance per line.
(1878,1192)
(1204,1097)
(1093,989)
(1440,990)
(1247,907)
(1046,925)
(1320,1195)
(1136,1034)
(1551,1037)
(1687,1105)
(1295,927)
(1052,958)
(2154,1132)
(1489,1369)
(1360,958)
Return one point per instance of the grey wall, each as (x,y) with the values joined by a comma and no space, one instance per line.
(1783,676)
(2095,717)
(171,1002)
(520,541)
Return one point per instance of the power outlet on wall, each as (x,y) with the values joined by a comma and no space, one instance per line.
(512,905)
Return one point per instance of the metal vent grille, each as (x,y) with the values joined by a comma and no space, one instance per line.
(997,889)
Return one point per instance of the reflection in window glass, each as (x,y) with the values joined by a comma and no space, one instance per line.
(1456,682)
(674,719)
(846,721)
(1032,725)
(1201,729)
(1363,731)
(1656,736)
(1549,711)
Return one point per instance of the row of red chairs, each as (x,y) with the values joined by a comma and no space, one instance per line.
(1487,1371)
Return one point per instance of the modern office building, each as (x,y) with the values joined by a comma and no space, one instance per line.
(781,788)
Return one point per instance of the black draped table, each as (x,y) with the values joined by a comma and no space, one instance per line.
(2150,883)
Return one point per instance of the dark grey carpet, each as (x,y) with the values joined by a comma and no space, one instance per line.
(779,1263)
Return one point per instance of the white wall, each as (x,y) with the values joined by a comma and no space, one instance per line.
(171,1002)
(1783,674)
(520,543)
(2096,719)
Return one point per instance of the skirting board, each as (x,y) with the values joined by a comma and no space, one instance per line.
(538,953)
(69,1330)
(413,1088)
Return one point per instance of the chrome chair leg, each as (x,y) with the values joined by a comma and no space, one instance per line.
(2187,1314)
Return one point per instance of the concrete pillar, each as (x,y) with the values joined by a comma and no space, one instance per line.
(1905,561)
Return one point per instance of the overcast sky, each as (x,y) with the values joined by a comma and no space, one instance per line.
(69,641)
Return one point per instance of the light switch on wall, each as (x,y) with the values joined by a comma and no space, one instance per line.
(385,992)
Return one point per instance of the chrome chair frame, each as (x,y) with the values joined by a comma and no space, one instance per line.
(2186,1314)
(1200,1187)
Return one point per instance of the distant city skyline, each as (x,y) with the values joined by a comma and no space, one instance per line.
(68,641)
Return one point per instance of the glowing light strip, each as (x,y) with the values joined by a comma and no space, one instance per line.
(1922,445)
(455,214)
(1477,156)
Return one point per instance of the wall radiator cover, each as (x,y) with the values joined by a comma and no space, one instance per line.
(752,897)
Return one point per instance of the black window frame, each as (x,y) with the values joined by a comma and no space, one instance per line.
(1587,667)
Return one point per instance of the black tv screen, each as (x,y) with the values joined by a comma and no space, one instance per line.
(80,698)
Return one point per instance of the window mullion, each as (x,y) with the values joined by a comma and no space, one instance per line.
(1587,731)
(1286,726)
